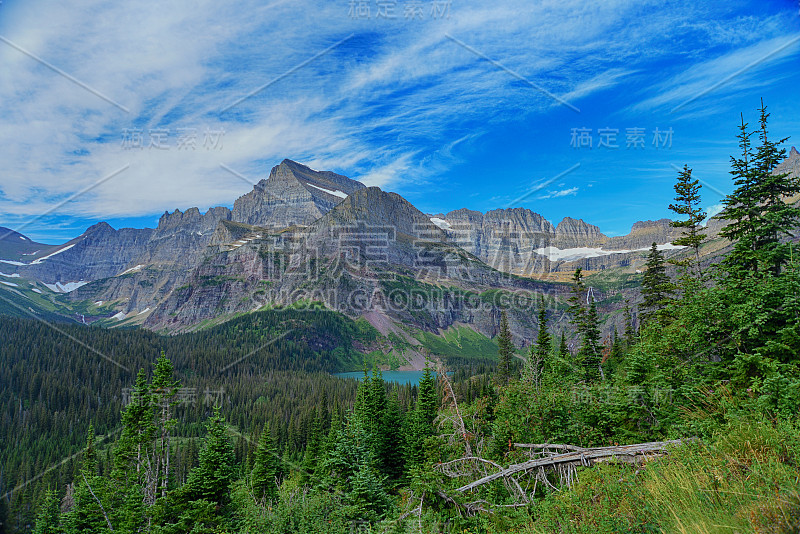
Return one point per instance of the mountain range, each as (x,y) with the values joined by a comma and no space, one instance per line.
(315,238)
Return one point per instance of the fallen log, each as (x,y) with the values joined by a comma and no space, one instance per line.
(578,456)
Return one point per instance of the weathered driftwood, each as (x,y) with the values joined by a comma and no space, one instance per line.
(577,456)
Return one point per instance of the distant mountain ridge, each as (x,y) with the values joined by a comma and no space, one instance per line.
(306,234)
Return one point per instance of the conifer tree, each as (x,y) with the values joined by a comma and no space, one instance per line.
(428,398)
(577,309)
(211,479)
(505,349)
(49,517)
(390,441)
(265,468)
(164,389)
(591,352)
(543,337)
(540,350)
(657,289)
(138,433)
(757,211)
(630,331)
(563,349)
(687,203)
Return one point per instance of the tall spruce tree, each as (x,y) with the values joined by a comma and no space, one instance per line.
(687,204)
(577,310)
(657,289)
(163,390)
(212,478)
(48,520)
(758,214)
(539,356)
(591,352)
(265,468)
(505,349)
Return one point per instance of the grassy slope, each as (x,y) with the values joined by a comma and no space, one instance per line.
(744,480)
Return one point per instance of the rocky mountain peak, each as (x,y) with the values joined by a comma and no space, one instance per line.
(793,153)
(373,207)
(293,194)
(571,233)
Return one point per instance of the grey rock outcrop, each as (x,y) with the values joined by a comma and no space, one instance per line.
(573,233)
(292,195)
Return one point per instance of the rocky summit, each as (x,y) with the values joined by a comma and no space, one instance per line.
(303,235)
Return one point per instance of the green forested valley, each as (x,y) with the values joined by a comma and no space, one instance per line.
(213,432)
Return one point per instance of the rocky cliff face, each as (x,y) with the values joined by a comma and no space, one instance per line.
(504,239)
(643,234)
(573,233)
(304,235)
(292,195)
(99,252)
(373,254)
(791,165)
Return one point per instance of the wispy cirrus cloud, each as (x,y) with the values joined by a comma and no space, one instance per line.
(559,193)
(385,106)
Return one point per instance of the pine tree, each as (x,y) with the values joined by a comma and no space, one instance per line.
(740,207)
(630,330)
(657,289)
(687,198)
(427,398)
(591,352)
(49,516)
(211,479)
(543,337)
(265,468)
(505,349)
(419,423)
(138,433)
(539,351)
(777,218)
(757,212)
(563,349)
(164,389)
(577,310)
(390,441)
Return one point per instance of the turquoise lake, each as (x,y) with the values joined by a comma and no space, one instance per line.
(398,377)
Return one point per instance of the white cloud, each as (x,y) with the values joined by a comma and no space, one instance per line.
(701,85)
(560,193)
(376,108)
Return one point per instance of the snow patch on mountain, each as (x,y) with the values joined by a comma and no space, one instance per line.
(10,262)
(131,270)
(59,251)
(8,283)
(336,193)
(65,287)
(441,223)
(15,275)
(580,253)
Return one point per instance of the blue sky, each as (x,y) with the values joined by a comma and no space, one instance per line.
(451,104)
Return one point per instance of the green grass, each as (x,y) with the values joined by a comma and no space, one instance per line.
(744,480)
(459,342)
